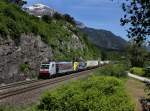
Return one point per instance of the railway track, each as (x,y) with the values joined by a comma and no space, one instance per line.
(23,87)
(16,84)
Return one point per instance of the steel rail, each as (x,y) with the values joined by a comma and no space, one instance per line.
(16,84)
(37,85)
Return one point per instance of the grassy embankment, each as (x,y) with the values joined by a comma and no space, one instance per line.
(104,91)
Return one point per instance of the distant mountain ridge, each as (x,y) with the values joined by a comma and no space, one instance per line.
(80,25)
(105,39)
(101,38)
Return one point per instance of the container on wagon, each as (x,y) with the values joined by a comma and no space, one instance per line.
(64,67)
(92,63)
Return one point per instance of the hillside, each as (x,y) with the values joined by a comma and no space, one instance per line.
(105,39)
(26,41)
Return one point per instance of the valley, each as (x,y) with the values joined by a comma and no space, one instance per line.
(66,56)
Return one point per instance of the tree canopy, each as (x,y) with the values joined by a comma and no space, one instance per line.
(19,2)
(137,17)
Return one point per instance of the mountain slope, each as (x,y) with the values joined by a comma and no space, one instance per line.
(100,38)
(26,41)
(105,39)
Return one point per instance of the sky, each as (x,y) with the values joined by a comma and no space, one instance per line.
(99,14)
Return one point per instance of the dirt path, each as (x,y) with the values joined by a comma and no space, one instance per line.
(135,89)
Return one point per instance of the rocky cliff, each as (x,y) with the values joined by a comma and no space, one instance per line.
(30,51)
(26,41)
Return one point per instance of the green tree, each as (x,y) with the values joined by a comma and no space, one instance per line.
(46,18)
(69,19)
(57,16)
(19,2)
(103,55)
(24,68)
(136,55)
(137,17)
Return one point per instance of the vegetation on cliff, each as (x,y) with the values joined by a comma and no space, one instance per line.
(57,34)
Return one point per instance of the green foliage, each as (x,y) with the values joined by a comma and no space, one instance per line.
(147,71)
(116,55)
(56,32)
(147,63)
(138,71)
(69,19)
(93,94)
(137,55)
(47,18)
(137,19)
(18,2)
(24,68)
(103,55)
(57,16)
(117,70)
(112,55)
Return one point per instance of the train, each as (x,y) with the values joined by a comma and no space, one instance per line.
(51,69)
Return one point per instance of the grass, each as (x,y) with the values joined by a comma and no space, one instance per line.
(138,71)
(116,70)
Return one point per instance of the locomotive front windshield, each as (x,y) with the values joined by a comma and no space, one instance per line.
(45,66)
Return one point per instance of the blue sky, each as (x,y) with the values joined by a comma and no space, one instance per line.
(99,14)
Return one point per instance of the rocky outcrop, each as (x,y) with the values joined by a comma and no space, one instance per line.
(31,50)
(59,40)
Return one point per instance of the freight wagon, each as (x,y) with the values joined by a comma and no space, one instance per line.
(50,69)
(64,67)
(92,64)
(82,66)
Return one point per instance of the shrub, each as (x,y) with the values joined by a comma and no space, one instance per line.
(117,70)
(47,18)
(24,68)
(94,94)
(69,19)
(138,71)
(58,16)
(147,72)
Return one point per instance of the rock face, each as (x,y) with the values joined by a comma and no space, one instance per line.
(59,40)
(30,50)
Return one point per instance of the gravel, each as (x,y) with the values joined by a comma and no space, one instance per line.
(33,96)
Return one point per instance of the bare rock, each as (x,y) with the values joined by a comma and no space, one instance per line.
(31,50)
